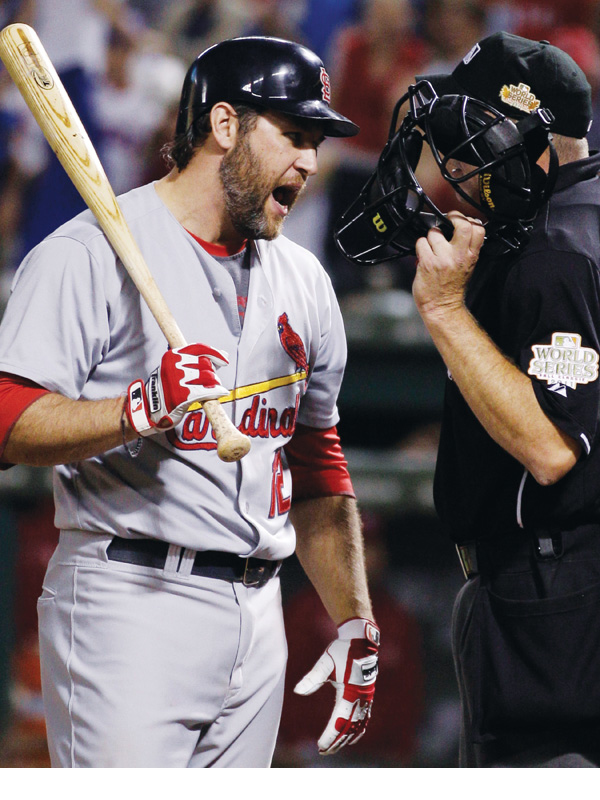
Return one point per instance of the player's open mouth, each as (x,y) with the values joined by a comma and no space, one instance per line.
(285,197)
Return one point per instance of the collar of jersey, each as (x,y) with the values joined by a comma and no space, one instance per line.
(219,250)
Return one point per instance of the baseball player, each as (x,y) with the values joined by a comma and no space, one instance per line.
(161,634)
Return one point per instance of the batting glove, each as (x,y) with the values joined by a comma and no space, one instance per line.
(186,375)
(350,664)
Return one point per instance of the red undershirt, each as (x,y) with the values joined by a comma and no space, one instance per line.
(218,250)
(16,394)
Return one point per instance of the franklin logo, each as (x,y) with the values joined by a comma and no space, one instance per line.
(369,669)
(519,97)
(154,395)
(564,362)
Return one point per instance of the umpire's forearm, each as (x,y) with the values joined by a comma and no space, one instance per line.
(57,430)
(330,549)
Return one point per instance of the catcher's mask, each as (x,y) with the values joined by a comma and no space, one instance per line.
(392,210)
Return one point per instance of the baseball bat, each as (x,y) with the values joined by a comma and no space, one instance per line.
(34,75)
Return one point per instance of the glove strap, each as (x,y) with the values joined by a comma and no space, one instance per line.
(358,628)
(137,413)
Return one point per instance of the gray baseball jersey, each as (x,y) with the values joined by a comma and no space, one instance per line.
(76,325)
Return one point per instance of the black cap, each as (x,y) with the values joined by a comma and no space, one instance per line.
(517,75)
(262,71)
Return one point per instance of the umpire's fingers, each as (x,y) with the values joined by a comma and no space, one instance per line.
(469,233)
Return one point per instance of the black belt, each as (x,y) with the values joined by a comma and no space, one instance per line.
(486,556)
(207,563)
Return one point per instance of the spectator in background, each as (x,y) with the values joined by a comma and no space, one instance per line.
(452,27)
(374,62)
(538,19)
(391,740)
(130,105)
(10,190)
(321,20)
(279,18)
(73,33)
(16,11)
(190,26)
(119,91)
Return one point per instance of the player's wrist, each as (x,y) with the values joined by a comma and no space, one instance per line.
(359,628)
(137,412)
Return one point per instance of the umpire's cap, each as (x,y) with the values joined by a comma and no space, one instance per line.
(261,71)
(517,75)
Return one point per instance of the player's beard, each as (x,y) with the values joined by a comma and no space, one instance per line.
(246,189)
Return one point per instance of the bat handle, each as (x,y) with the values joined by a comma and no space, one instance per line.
(232,444)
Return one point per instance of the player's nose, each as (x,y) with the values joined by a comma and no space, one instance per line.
(306,162)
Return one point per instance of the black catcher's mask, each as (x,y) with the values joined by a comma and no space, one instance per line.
(392,211)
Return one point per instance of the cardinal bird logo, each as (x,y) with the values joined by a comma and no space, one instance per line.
(292,343)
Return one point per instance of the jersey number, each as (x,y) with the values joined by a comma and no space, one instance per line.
(279,503)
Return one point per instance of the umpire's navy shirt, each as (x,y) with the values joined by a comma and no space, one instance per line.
(542,309)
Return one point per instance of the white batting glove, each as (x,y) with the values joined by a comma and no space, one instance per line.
(186,375)
(350,664)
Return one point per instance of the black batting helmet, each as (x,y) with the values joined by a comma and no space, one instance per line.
(261,71)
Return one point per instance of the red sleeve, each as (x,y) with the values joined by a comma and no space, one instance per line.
(16,394)
(317,463)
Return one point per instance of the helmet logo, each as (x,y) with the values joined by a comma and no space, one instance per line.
(519,97)
(326,85)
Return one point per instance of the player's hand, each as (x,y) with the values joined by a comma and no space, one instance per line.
(350,664)
(186,375)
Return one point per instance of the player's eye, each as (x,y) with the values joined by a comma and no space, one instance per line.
(296,137)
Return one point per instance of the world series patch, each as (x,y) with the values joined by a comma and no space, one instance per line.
(564,361)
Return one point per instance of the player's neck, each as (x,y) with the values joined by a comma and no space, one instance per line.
(195,198)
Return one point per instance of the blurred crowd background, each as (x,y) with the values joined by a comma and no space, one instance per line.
(123,63)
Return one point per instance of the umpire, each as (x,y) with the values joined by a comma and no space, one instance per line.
(517,482)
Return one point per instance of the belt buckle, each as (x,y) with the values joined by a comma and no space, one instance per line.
(467,555)
(257,571)
(255,574)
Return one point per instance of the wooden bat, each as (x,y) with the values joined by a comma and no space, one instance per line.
(37,80)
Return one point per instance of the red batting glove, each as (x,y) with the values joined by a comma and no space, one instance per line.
(350,664)
(186,375)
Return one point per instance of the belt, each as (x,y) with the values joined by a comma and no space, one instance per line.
(485,556)
(207,563)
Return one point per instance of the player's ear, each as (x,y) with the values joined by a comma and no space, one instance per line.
(224,123)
